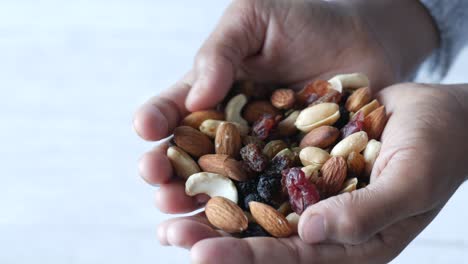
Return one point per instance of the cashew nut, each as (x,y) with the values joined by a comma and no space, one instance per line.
(234,108)
(182,163)
(211,184)
(349,185)
(293,220)
(371,153)
(349,81)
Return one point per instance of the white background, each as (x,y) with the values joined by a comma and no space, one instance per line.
(71,75)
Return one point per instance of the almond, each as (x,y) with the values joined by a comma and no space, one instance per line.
(182,163)
(374,123)
(224,165)
(358,99)
(283,98)
(321,137)
(226,215)
(333,175)
(228,140)
(270,219)
(256,109)
(368,108)
(356,164)
(195,119)
(192,141)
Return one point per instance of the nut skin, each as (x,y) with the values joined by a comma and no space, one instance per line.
(270,219)
(192,141)
(256,109)
(195,119)
(368,108)
(374,123)
(317,115)
(226,215)
(358,99)
(356,164)
(228,140)
(224,165)
(321,137)
(273,147)
(354,142)
(181,162)
(283,98)
(333,175)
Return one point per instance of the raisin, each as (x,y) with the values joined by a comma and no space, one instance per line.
(355,125)
(302,193)
(270,189)
(315,89)
(332,96)
(344,118)
(254,158)
(280,163)
(254,230)
(245,188)
(253,197)
(264,125)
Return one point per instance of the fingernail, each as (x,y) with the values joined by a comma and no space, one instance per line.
(314,229)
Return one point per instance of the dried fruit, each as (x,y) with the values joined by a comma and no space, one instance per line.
(332,96)
(355,125)
(270,189)
(318,115)
(254,230)
(253,140)
(375,122)
(273,147)
(312,90)
(253,111)
(253,197)
(228,140)
(182,163)
(283,98)
(333,175)
(226,215)
(272,221)
(358,99)
(195,119)
(254,157)
(262,128)
(192,141)
(344,118)
(302,193)
(321,137)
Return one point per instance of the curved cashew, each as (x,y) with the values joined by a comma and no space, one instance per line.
(182,163)
(211,184)
(371,153)
(349,81)
(234,108)
(349,185)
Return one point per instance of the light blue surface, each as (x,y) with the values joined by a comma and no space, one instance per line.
(71,75)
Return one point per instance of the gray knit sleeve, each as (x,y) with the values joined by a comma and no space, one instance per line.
(451,17)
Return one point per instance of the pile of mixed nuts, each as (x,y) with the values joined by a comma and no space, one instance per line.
(266,154)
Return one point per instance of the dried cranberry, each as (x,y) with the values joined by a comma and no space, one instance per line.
(302,192)
(263,126)
(355,125)
(332,96)
(254,158)
(319,88)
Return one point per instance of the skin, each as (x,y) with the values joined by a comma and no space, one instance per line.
(307,40)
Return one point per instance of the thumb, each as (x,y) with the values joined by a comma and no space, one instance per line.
(218,61)
(352,218)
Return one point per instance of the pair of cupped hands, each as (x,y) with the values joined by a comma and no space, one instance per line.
(422,160)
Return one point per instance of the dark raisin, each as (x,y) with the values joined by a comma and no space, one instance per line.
(253,197)
(254,158)
(355,125)
(270,189)
(254,230)
(302,193)
(344,117)
(264,125)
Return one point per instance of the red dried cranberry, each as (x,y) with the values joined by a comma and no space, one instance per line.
(264,125)
(319,88)
(355,125)
(302,192)
(253,157)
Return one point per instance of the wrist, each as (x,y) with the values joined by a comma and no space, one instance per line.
(404,29)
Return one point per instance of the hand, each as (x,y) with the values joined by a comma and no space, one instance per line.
(420,166)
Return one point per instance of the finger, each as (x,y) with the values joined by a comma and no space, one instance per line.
(156,118)
(154,166)
(238,35)
(171,199)
(185,231)
(352,218)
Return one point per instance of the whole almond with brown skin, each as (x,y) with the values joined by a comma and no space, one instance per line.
(256,109)
(226,215)
(224,165)
(228,140)
(192,141)
(195,119)
(333,175)
(283,98)
(356,164)
(358,99)
(374,123)
(270,219)
(321,137)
